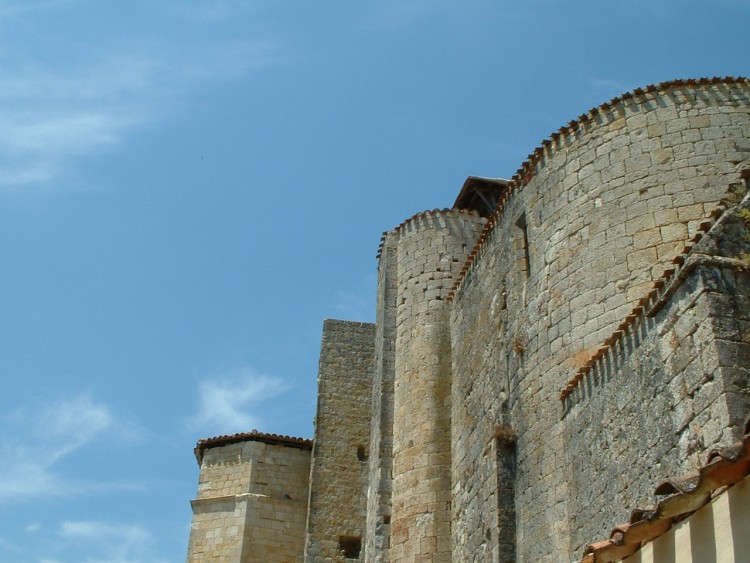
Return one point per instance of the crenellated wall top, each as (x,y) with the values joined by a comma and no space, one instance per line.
(608,110)
(429,215)
(595,118)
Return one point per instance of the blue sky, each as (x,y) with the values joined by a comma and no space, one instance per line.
(188,188)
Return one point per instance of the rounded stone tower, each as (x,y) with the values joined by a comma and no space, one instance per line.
(431,250)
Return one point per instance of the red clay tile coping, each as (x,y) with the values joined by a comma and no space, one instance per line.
(557,140)
(685,494)
(663,288)
(421,214)
(253,436)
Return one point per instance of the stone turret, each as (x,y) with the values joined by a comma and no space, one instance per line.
(431,248)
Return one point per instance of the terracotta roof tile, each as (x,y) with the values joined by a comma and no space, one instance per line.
(529,167)
(685,495)
(252,436)
(662,289)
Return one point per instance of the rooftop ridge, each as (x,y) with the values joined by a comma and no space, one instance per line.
(558,139)
(252,436)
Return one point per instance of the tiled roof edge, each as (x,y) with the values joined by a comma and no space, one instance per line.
(253,436)
(724,468)
(528,168)
(662,289)
(427,213)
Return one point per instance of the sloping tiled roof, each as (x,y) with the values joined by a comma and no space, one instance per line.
(684,495)
(480,194)
(254,436)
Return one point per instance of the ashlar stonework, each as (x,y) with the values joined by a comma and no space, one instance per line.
(543,353)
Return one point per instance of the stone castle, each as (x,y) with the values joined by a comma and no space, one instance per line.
(544,352)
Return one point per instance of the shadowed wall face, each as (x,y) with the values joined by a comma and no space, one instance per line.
(380,479)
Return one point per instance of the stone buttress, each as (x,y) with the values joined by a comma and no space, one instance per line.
(338,474)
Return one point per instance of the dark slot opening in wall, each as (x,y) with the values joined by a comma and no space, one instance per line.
(521,224)
(361,454)
(350,546)
(506,492)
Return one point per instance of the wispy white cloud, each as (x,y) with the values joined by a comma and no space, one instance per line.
(57,109)
(47,120)
(233,403)
(35,441)
(36,149)
(7,547)
(72,424)
(107,542)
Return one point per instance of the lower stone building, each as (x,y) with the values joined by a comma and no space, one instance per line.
(544,352)
(252,498)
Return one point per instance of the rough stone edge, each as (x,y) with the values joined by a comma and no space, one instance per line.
(559,139)
(254,436)
(662,290)
(429,214)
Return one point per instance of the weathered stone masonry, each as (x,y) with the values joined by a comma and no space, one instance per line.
(336,512)
(608,203)
(548,349)
(252,499)
(431,248)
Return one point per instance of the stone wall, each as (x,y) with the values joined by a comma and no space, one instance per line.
(531,375)
(431,248)
(380,478)
(597,214)
(251,505)
(338,480)
(656,405)
(674,386)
